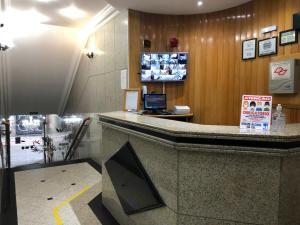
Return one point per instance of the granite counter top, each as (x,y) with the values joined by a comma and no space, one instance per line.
(183,129)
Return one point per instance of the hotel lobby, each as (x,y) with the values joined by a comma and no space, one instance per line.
(162,112)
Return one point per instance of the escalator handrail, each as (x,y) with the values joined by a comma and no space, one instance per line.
(82,126)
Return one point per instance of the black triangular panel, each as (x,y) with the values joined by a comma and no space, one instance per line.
(132,184)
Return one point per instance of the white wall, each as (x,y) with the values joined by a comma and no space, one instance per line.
(39,69)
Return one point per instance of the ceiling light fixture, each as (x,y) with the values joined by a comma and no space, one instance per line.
(199,3)
(72,12)
(19,23)
(37,16)
(28,17)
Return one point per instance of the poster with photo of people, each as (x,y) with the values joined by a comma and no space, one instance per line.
(164,67)
(256,112)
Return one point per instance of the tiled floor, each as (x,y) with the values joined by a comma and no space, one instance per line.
(63,184)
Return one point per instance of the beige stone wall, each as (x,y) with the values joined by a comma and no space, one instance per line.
(97,86)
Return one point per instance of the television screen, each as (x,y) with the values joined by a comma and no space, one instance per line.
(164,67)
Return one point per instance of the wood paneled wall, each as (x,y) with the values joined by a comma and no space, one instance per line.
(218,77)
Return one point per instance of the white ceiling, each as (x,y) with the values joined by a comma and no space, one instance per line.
(40,68)
(51,10)
(176,7)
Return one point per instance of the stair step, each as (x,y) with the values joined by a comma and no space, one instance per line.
(103,215)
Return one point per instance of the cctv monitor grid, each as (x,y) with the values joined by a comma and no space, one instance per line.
(164,67)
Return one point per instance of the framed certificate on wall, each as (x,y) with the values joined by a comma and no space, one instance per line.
(288,37)
(267,46)
(249,49)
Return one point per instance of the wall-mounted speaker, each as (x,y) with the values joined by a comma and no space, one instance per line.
(147,43)
(296,21)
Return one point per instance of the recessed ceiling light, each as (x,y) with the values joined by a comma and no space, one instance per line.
(72,12)
(199,3)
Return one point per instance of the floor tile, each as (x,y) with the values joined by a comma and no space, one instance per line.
(33,206)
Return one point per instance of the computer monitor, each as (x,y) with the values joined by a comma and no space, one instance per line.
(155,102)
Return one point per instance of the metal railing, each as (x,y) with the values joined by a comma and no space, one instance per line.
(6,170)
(5,154)
(78,137)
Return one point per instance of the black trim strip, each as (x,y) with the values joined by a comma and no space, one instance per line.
(207,141)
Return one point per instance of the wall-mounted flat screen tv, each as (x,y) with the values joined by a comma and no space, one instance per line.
(164,67)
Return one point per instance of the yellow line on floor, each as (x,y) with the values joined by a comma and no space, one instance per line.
(55,211)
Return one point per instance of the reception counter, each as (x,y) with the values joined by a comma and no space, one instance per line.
(200,174)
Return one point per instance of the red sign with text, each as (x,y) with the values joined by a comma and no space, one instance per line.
(256,112)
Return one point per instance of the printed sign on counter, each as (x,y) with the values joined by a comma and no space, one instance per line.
(256,112)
